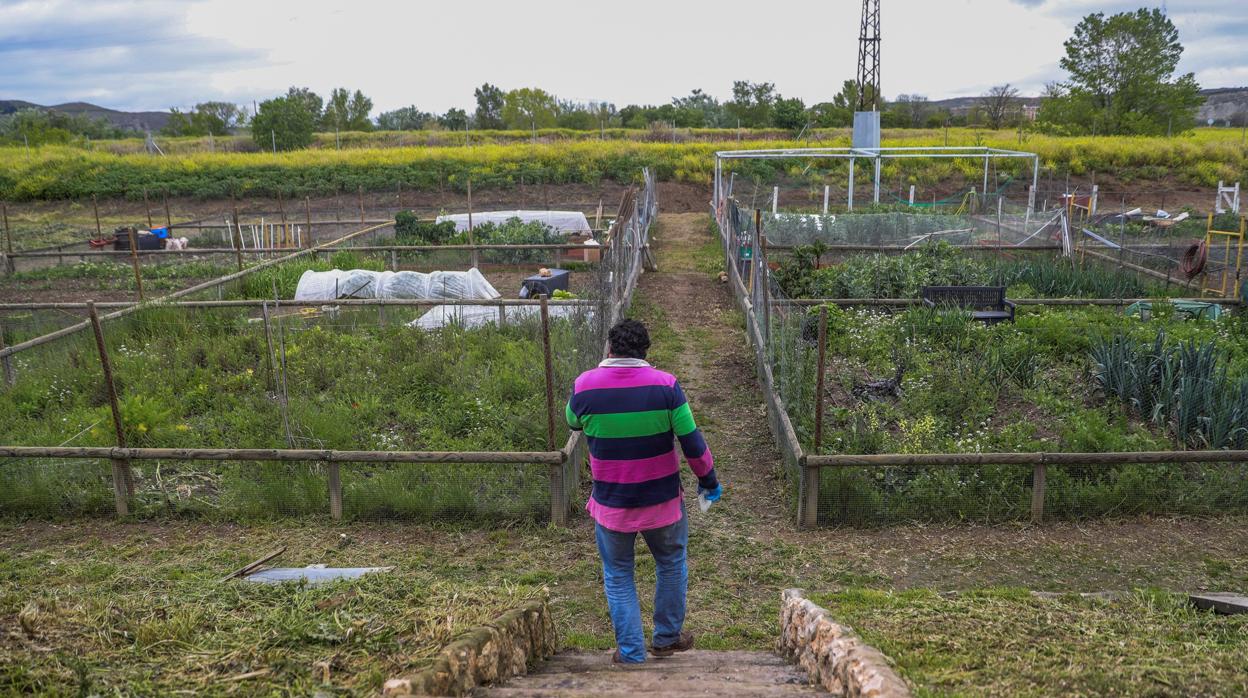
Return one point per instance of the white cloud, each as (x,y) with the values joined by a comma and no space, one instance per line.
(142,54)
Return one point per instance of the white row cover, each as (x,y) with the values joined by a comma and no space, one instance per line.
(562,221)
(362,283)
(474,316)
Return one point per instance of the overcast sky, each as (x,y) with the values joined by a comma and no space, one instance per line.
(136,54)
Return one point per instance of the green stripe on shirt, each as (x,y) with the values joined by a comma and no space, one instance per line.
(622,425)
(682,420)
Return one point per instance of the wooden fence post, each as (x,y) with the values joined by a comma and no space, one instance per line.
(558,493)
(123,480)
(134,261)
(7,362)
(168,216)
(147,205)
(809,514)
(1037,493)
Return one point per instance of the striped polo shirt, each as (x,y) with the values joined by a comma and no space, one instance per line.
(633,415)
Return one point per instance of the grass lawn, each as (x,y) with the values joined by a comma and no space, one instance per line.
(1006,641)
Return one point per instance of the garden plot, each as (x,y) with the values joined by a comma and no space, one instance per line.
(209,378)
(926,391)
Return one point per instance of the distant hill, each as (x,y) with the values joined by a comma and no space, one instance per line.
(132,121)
(1222,104)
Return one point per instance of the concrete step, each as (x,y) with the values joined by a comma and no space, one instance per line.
(695,673)
(699,659)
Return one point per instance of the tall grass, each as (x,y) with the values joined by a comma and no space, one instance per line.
(64,172)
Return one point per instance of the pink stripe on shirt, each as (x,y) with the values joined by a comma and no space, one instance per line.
(639,470)
(638,519)
(622,377)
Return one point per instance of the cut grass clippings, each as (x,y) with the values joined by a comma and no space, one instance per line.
(1006,641)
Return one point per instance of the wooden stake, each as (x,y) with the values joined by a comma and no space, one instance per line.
(1037,493)
(251,567)
(134,261)
(95,204)
(8,233)
(10,267)
(147,205)
(6,362)
(268,339)
(307,213)
(237,237)
(820,369)
(361,204)
(281,209)
(558,495)
(123,481)
(168,217)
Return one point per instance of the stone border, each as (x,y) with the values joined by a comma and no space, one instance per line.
(486,654)
(832,654)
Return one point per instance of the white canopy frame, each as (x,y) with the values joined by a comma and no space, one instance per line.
(723,189)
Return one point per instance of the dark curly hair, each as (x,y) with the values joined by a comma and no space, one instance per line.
(629,339)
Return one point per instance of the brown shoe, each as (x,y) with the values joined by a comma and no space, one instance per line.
(683,644)
(617,660)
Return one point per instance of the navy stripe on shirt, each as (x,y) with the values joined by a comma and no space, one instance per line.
(631,447)
(630,495)
(692,444)
(642,398)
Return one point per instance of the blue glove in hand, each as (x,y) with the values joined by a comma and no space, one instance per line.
(713,494)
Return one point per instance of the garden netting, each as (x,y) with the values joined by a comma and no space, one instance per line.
(902,379)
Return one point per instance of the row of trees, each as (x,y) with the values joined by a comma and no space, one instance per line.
(1121,80)
(41,126)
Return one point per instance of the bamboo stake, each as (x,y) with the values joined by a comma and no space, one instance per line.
(134,261)
(123,481)
(475,258)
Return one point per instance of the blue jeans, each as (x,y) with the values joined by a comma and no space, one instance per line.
(668,545)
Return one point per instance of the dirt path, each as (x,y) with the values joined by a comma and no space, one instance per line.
(700,338)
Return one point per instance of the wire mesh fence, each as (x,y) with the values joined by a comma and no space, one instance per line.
(357,399)
(889,411)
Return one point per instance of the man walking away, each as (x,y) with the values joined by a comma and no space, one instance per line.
(632,415)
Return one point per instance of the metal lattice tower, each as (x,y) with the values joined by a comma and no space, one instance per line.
(869,57)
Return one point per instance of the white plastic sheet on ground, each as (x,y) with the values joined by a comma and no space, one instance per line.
(474,316)
(562,221)
(362,283)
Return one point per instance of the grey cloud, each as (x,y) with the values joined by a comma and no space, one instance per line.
(123,55)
